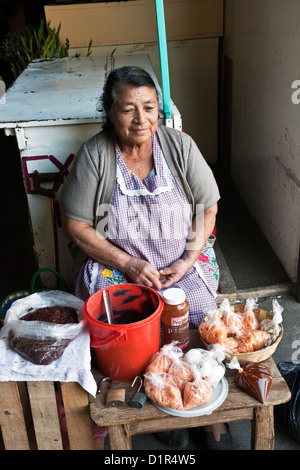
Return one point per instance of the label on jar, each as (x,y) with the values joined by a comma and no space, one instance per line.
(176,330)
(177,321)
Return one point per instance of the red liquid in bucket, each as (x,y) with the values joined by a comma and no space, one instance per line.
(123,349)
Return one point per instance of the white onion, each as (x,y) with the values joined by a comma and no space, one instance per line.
(193,356)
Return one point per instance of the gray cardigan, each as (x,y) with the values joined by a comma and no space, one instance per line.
(92,177)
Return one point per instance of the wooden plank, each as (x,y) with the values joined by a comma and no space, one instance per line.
(263,436)
(12,421)
(119,437)
(171,422)
(44,414)
(75,400)
(23,392)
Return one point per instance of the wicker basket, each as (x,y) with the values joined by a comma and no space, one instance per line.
(255,356)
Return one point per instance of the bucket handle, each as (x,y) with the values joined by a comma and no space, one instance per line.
(99,343)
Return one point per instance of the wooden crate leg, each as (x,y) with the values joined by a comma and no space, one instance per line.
(12,423)
(263,428)
(119,437)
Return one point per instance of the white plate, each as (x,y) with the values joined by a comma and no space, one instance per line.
(218,397)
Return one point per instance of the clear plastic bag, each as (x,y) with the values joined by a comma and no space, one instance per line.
(233,321)
(272,325)
(248,318)
(184,381)
(181,373)
(213,329)
(240,332)
(208,363)
(253,340)
(254,378)
(197,392)
(164,358)
(42,342)
(161,389)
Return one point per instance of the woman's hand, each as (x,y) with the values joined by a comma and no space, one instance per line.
(141,272)
(173,273)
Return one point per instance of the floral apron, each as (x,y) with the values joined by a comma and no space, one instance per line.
(151,220)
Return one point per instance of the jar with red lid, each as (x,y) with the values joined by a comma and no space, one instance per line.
(175,318)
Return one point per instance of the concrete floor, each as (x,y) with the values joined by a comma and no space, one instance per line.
(235,229)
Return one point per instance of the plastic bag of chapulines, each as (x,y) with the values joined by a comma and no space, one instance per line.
(41,325)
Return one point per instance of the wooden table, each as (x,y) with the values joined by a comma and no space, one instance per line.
(45,416)
(122,423)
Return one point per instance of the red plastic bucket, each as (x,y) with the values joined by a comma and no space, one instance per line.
(123,349)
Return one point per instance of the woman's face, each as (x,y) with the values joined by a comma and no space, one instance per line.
(135,115)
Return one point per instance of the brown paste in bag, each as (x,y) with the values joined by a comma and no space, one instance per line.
(255,379)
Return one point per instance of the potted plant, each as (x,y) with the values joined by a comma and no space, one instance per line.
(33,42)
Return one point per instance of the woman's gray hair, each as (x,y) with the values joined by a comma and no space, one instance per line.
(119,79)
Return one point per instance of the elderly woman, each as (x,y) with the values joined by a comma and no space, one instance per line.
(140,201)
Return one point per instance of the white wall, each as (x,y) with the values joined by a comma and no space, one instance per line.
(262,37)
(193,70)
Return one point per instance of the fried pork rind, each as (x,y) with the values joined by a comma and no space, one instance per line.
(186,385)
(233,321)
(244,333)
(181,373)
(161,389)
(164,358)
(234,346)
(159,363)
(253,340)
(249,319)
(248,341)
(197,392)
(213,331)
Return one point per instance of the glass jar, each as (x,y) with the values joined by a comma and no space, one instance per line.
(175,318)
